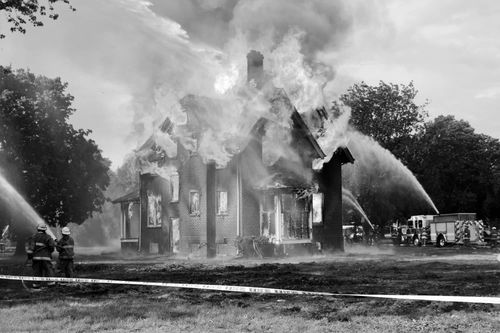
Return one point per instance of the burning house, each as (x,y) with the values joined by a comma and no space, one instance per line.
(266,188)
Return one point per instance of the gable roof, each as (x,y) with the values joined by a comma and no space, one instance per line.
(299,121)
(344,155)
(129,197)
(199,104)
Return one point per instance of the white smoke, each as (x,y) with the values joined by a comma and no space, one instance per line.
(290,34)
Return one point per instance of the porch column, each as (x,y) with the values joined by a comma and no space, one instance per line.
(211,211)
(331,183)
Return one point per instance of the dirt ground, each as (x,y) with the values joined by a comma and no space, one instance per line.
(371,270)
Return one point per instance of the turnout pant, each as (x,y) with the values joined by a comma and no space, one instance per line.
(66,266)
(42,268)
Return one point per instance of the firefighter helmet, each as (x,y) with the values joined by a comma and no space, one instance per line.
(65,231)
(41,227)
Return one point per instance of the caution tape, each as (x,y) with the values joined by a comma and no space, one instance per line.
(257,290)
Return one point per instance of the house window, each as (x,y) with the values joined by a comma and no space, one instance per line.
(221,203)
(194,203)
(174,186)
(154,210)
(267,227)
(317,203)
(124,207)
(295,212)
(176,235)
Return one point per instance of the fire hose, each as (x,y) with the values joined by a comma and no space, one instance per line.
(259,290)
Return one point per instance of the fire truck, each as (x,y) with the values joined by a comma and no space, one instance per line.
(457,228)
(414,231)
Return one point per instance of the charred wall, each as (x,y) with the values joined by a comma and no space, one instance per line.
(252,172)
(192,178)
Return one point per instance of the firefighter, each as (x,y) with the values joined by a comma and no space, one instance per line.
(467,236)
(425,235)
(494,237)
(40,250)
(66,253)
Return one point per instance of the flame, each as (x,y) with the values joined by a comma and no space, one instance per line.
(333,136)
(227,80)
(165,142)
(164,171)
(291,72)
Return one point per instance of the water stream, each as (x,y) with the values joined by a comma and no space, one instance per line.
(351,200)
(25,215)
(375,165)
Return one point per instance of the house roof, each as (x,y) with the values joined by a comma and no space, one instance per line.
(279,95)
(281,175)
(345,155)
(297,118)
(166,127)
(199,120)
(129,197)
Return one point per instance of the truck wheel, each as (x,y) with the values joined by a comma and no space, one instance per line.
(416,241)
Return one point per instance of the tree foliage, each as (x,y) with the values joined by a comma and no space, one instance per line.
(387,112)
(458,167)
(57,168)
(22,12)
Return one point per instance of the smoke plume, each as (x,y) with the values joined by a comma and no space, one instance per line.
(185,58)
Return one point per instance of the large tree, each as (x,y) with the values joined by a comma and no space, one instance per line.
(459,167)
(57,168)
(22,12)
(388,113)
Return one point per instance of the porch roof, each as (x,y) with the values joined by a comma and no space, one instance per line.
(345,155)
(129,197)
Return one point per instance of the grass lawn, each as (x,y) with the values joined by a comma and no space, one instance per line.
(115,308)
(174,312)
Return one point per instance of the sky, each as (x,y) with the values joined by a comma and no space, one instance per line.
(128,61)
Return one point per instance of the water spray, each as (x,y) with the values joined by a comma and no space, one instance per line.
(349,197)
(378,163)
(16,204)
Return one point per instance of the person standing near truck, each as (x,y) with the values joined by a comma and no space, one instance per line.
(65,247)
(425,235)
(494,237)
(40,250)
(467,236)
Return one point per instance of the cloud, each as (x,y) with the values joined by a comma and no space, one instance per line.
(489,93)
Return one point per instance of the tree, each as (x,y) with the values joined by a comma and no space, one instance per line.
(459,168)
(388,113)
(22,12)
(57,168)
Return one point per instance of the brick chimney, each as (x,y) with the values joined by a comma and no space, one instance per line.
(255,68)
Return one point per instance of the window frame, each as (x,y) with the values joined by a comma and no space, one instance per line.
(321,197)
(219,211)
(174,187)
(197,212)
(155,223)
